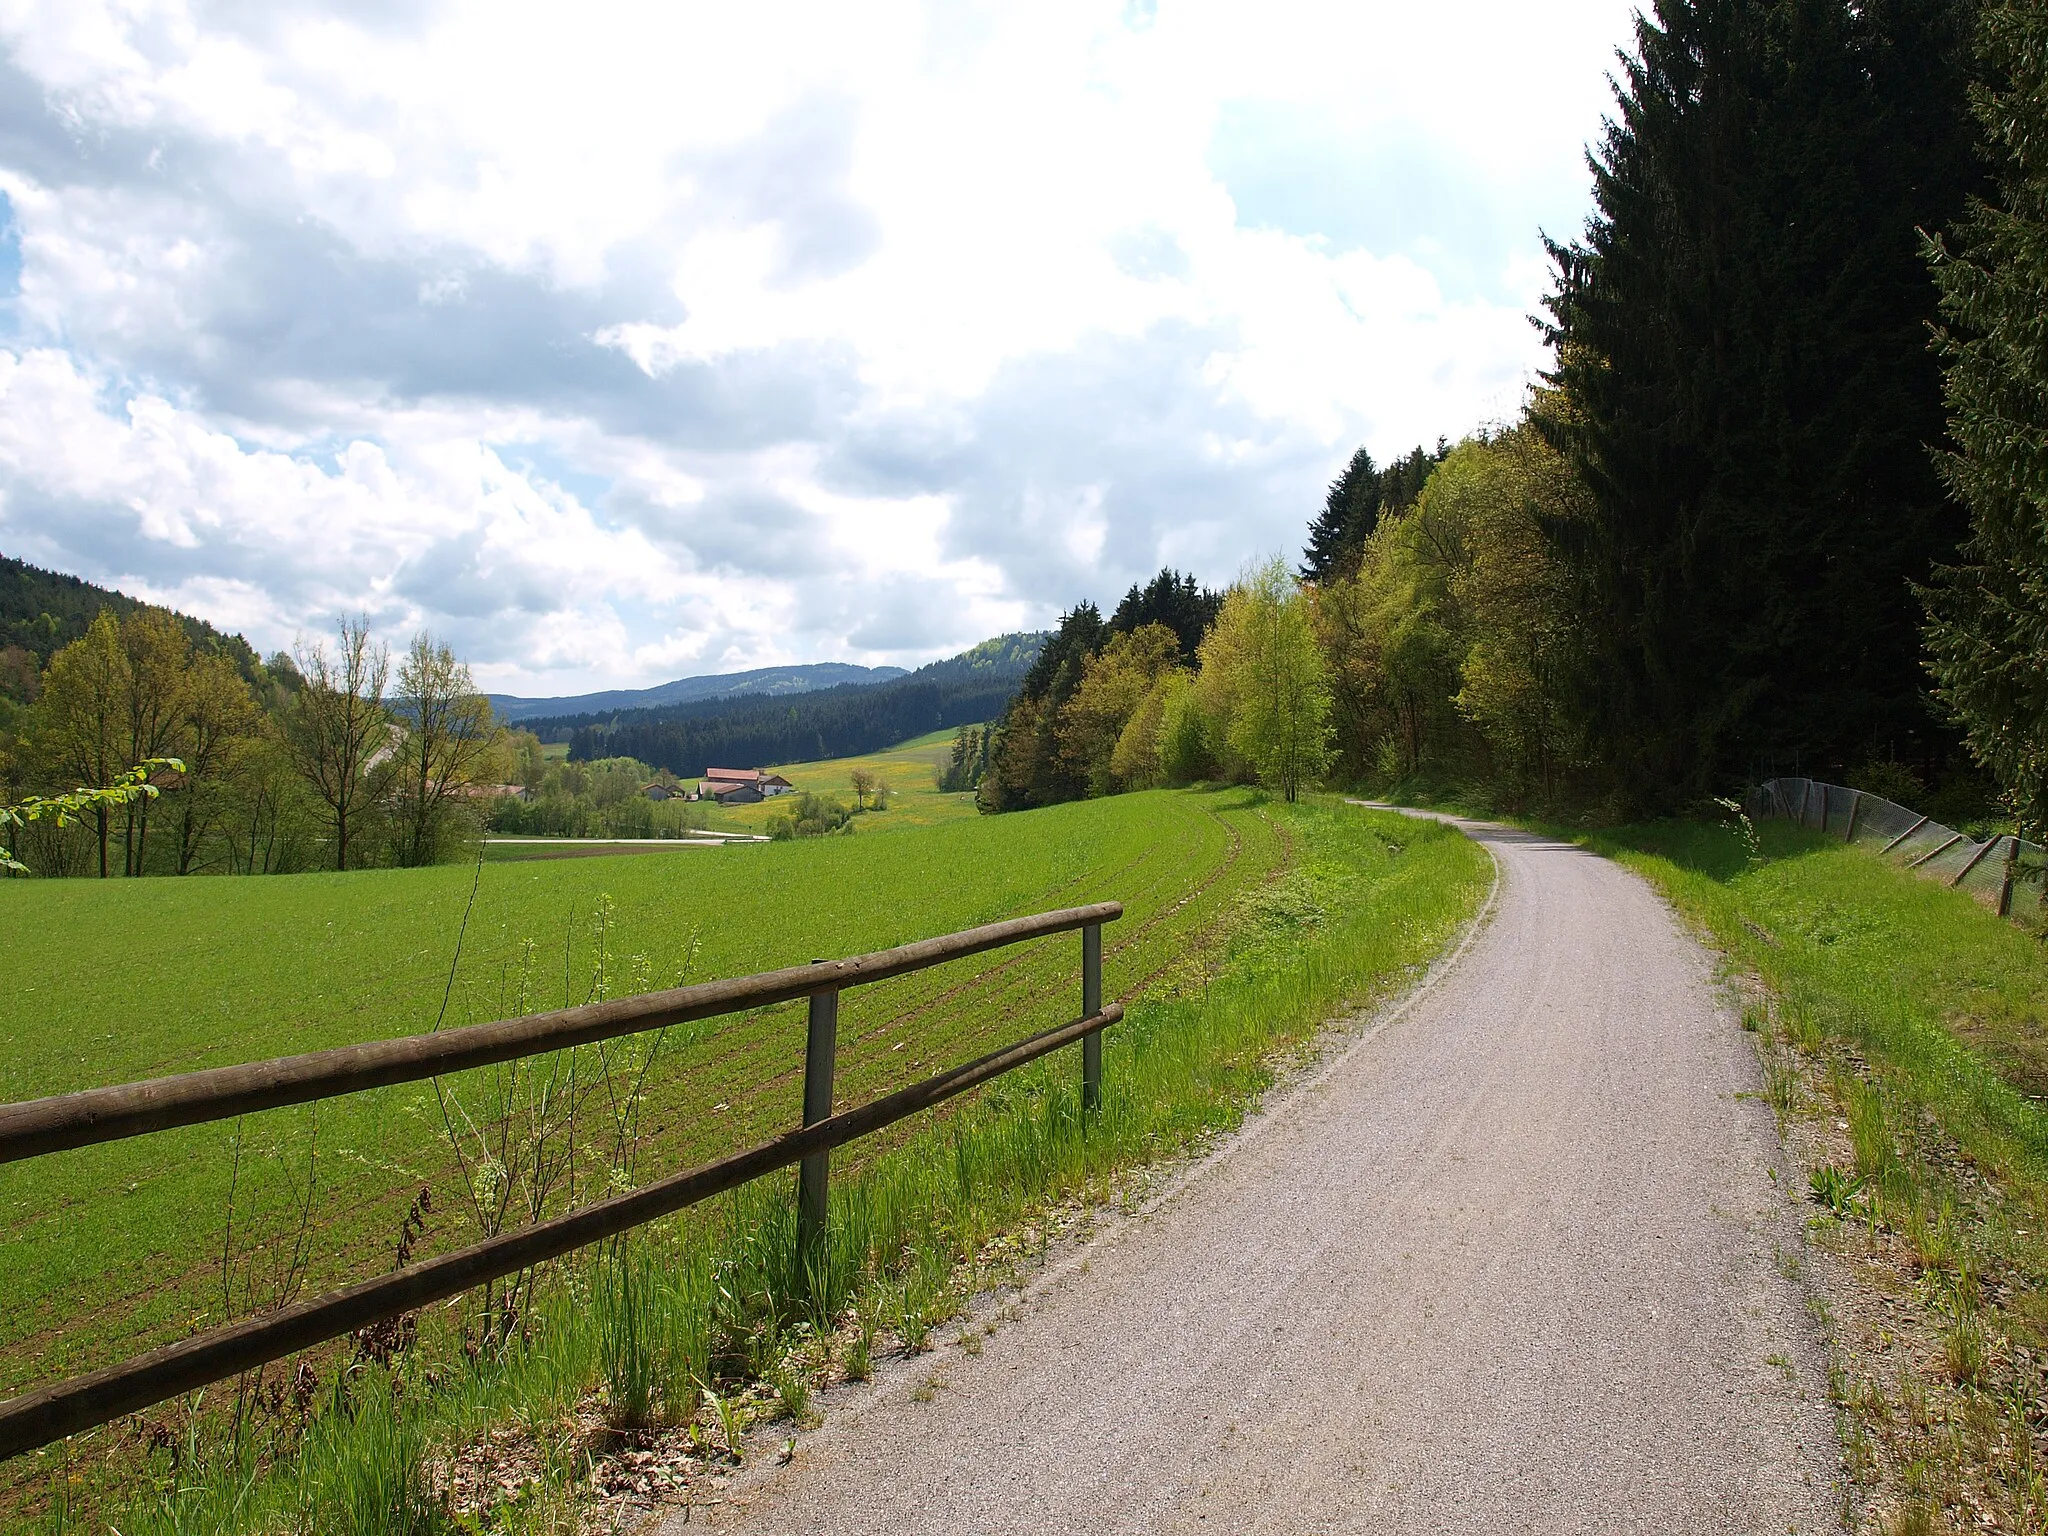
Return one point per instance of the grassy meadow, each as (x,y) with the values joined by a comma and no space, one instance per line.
(907,768)
(124,980)
(110,1249)
(1904,1031)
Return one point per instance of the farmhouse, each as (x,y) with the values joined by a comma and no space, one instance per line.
(741,786)
(494,792)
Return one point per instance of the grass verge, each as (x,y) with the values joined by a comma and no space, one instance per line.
(656,1355)
(1904,1038)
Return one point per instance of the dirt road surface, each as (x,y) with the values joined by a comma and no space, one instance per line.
(1508,1262)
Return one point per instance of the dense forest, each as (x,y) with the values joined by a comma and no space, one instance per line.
(41,612)
(1738,528)
(831,722)
(759,682)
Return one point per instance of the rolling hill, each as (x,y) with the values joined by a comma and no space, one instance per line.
(44,611)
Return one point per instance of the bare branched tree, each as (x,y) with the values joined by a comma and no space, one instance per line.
(450,744)
(338,728)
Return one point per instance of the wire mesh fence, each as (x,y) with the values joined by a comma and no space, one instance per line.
(2005,874)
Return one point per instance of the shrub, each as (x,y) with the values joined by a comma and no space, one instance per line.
(810,816)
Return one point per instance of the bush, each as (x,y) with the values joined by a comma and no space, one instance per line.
(1890,781)
(810,816)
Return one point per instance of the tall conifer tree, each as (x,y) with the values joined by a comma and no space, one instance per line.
(1356,501)
(1988,635)
(1745,386)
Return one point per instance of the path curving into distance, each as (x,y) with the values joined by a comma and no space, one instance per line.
(1506,1263)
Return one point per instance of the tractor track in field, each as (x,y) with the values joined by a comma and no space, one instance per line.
(1209,933)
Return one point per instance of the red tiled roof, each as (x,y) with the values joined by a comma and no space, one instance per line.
(741,775)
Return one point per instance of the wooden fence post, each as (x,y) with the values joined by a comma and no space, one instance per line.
(1091,1004)
(821,1053)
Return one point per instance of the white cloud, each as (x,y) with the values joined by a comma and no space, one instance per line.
(831,331)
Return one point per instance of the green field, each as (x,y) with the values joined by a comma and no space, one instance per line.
(110,1247)
(113,1248)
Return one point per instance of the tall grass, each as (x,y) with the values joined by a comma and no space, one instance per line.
(670,1325)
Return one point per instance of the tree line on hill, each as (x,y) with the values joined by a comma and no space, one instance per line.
(845,721)
(42,611)
(1739,527)
(326,757)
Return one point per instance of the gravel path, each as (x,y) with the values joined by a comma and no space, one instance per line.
(1506,1263)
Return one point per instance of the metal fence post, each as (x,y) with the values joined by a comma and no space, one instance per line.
(1091,1004)
(821,1052)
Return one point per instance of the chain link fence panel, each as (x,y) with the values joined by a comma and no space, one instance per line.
(2006,874)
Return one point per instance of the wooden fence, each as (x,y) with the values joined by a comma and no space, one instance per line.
(37,1127)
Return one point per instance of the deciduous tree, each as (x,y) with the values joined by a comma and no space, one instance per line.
(863,783)
(77,734)
(1269,681)
(338,727)
(158,656)
(447,746)
(220,724)
(1114,684)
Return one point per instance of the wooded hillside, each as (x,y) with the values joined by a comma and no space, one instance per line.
(833,722)
(44,611)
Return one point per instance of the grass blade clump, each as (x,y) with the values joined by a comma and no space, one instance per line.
(624,1300)
(362,1471)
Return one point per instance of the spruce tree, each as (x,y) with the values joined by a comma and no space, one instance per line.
(1356,501)
(1744,385)
(1352,503)
(1172,598)
(1988,630)
(1026,767)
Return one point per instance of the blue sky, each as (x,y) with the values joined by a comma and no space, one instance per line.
(621,341)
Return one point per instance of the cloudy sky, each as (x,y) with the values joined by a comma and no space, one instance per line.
(619,341)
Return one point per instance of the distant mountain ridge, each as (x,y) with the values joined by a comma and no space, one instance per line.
(686,739)
(761,681)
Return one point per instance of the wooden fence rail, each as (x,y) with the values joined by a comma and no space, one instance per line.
(38,1126)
